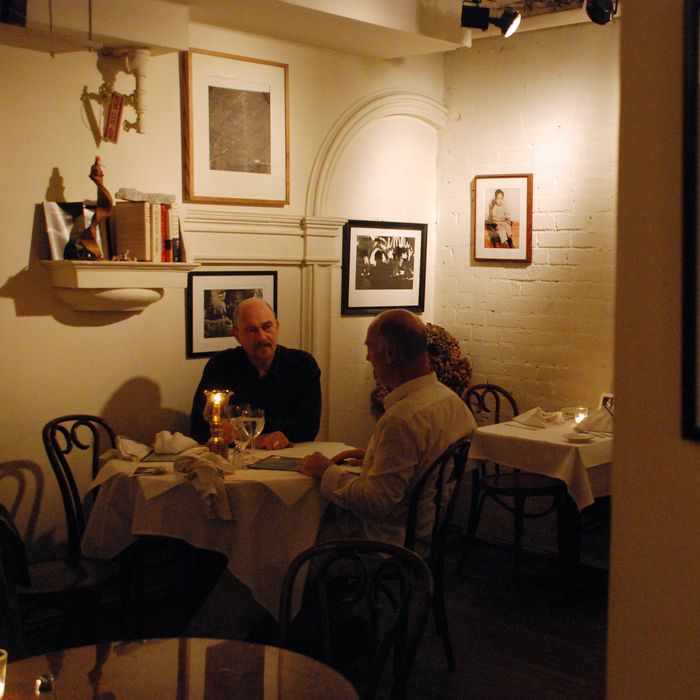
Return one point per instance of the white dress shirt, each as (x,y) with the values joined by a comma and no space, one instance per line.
(422,418)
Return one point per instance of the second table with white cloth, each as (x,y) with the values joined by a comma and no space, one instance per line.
(583,466)
(274,516)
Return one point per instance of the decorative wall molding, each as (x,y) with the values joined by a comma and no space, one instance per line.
(226,237)
(377,106)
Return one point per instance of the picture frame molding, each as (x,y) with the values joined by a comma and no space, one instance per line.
(197,345)
(481,185)
(203,185)
(374,301)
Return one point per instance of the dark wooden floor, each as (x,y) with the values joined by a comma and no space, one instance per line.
(532,640)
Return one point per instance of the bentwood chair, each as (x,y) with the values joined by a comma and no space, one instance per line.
(511,489)
(364,601)
(72,586)
(73,444)
(440,487)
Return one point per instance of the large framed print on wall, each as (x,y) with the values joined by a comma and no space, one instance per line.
(383,266)
(235,129)
(502,218)
(212,298)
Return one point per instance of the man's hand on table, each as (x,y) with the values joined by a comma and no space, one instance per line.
(273,441)
(316,464)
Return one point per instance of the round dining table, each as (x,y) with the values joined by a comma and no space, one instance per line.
(182,668)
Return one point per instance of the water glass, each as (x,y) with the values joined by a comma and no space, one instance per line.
(255,421)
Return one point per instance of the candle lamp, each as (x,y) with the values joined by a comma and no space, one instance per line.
(580,412)
(216,411)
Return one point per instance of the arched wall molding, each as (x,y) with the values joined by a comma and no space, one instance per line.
(388,103)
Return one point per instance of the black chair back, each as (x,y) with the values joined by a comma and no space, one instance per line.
(444,477)
(67,441)
(490,403)
(364,600)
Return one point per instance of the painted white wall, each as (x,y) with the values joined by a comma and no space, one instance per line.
(654,619)
(545,103)
(131,369)
(386,174)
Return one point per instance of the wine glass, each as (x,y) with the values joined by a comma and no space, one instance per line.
(255,422)
(239,428)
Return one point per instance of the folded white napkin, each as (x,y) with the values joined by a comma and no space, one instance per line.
(130,450)
(172,443)
(537,418)
(205,470)
(601,422)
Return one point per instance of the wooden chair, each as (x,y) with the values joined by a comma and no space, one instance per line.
(444,478)
(74,585)
(509,488)
(363,601)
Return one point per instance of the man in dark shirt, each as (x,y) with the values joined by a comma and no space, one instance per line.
(286,383)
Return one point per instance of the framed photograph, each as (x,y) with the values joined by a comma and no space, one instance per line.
(607,401)
(235,129)
(383,266)
(65,223)
(502,218)
(690,420)
(212,298)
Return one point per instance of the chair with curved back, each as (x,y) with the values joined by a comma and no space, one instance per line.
(75,584)
(364,601)
(509,488)
(444,477)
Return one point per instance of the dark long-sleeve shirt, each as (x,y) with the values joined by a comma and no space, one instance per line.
(290,392)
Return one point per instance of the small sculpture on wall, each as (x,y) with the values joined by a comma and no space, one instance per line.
(88,245)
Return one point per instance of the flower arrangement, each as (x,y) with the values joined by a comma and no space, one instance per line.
(446,360)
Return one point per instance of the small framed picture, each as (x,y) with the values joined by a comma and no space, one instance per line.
(383,266)
(502,218)
(212,298)
(606,401)
(65,223)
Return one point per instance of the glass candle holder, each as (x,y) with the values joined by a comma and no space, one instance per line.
(580,413)
(215,412)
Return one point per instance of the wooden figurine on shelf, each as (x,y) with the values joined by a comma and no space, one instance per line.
(88,247)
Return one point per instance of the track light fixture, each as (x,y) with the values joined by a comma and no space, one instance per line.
(601,11)
(476,17)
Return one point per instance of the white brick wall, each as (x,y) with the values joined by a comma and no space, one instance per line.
(545,103)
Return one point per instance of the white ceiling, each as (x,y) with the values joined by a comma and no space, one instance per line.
(376,28)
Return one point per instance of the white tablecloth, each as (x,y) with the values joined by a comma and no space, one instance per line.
(276,515)
(584,467)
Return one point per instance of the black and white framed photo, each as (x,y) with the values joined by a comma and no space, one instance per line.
(235,129)
(383,266)
(212,298)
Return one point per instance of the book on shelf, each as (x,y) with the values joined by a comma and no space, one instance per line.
(132,222)
(147,231)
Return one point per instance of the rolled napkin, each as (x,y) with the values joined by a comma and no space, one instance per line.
(172,443)
(537,418)
(600,422)
(205,470)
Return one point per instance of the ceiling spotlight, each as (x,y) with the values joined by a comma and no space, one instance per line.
(508,22)
(601,11)
(476,17)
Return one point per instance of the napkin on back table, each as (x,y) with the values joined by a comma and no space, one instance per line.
(537,418)
(601,421)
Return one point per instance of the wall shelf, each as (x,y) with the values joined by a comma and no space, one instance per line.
(119,286)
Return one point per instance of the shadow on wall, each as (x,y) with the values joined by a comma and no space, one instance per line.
(135,411)
(22,485)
